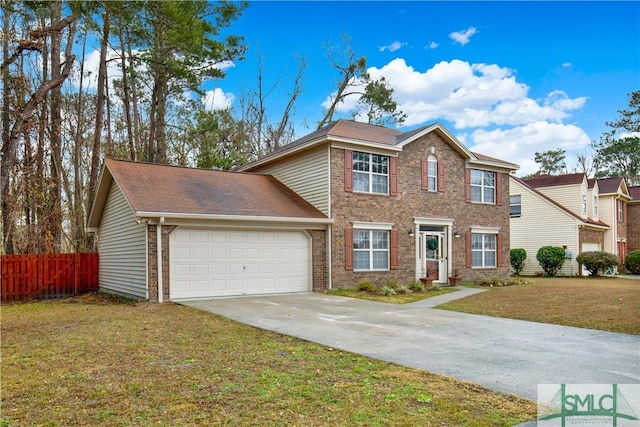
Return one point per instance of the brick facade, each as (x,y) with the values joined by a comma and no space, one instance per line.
(633,226)
(319,270)
(412,202)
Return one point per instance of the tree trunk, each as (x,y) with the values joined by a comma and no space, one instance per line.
(55,223)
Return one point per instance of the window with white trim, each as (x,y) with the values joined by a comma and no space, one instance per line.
(432,173)
(370,173)
(515,205)
(483,186)
(483,250)
(370,250)
(584,203)
(595,206)
(620,211)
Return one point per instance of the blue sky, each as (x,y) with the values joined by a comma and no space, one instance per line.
(507,78)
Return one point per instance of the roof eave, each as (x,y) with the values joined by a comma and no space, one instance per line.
(217,217)
(502,165)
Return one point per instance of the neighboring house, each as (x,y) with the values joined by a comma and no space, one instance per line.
(633,219)
(401,203)
(598,208)
(561,211)
(348,202)
(167,232)
(614,197)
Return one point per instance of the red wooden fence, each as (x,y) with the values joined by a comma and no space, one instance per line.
(44,276)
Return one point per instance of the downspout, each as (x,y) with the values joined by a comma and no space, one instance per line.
(159,252)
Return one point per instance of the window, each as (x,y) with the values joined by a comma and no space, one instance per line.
(584,204)
(483,250)
(515,205)
(595,206)
(432,173)
(483,186)
(370,173)
(620,211)
(370,250)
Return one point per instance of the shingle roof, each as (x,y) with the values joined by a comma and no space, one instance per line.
(554,180)
(166,189)
(609,185)
(634,192)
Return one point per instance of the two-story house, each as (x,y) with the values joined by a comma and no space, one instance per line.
(348,202)
(401,202)
(570,211)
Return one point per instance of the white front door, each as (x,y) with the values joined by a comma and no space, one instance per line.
(434,255)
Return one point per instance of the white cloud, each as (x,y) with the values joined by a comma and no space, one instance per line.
(393,46)
(432,45)
(566,65)
(519,144)
(463,37)
(217,99)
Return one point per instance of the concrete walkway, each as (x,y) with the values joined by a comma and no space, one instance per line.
(506,355)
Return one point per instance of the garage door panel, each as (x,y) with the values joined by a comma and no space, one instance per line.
(209,263)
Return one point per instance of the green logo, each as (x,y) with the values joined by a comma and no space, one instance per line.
(586,404)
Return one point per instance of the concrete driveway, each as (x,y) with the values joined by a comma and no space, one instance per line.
(506,355)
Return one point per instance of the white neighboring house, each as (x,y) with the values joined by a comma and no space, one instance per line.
(538,219)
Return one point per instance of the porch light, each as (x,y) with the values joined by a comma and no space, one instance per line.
(457,235)
(411,233)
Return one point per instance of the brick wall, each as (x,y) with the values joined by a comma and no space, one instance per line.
(633,226)
(319,271)
(412,202)
(152,261)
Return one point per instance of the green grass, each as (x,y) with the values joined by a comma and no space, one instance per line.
(608,304)
(93,361)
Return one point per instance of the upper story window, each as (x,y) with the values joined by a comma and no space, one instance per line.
(595,206)
(584,204)
(370,173)
(483,186)
(515,205)
(620,211)
(432,173)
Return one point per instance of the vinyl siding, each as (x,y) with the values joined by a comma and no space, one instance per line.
(307,175)
(542,224)
(569,196)
(609,215)
(122,248)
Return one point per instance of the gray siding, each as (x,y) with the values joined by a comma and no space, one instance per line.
(122,248)
(307,175)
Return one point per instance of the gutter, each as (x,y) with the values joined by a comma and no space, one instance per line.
(174,215)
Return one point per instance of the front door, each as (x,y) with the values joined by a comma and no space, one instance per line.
(434,255)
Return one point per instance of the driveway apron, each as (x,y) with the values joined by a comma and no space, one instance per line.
(511,356)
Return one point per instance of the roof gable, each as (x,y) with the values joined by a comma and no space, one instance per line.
(358,133)
(154,189)
(613,185)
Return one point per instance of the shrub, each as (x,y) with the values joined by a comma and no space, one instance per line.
(391,283)
(402,289)
(518,255)
(387,291)
(632,263)
(551,259)
(416,286)
(366,286)
(596,261)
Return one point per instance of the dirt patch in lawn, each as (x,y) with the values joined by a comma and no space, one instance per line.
(608,304)
(85,361)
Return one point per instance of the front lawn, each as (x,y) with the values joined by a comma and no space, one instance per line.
(96,361)
(608,304)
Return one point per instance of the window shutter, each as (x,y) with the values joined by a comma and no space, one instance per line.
(348,171)
(393,176)
(498,188)
(499,250)
(424,176)
(393,255)
(348,249)
(467,185)
(440,177)
(467,242)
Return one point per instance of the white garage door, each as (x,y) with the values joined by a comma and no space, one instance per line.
(211,263)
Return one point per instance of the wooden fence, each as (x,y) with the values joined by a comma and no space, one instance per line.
(44,276)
